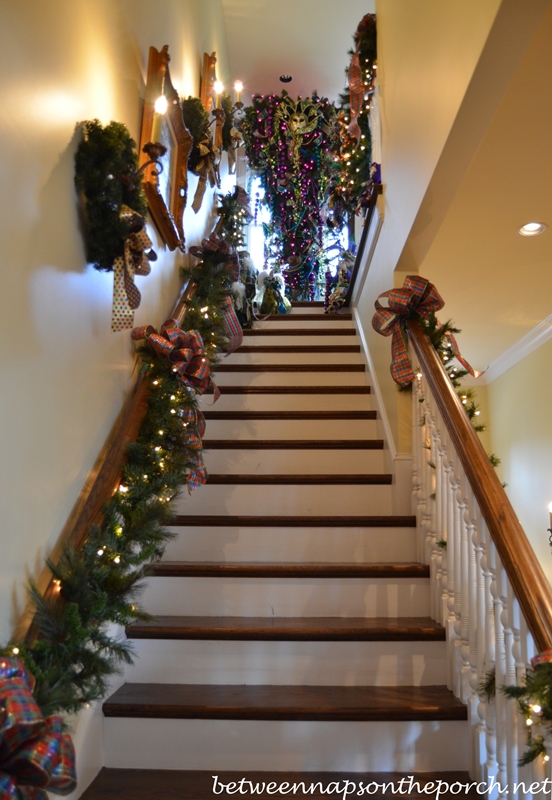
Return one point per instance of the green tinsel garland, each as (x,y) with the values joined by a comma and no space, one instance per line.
(104,155)
(73,656)
(196,120)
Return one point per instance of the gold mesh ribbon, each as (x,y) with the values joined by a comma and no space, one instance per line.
(126,297)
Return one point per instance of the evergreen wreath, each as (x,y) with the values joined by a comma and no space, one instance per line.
(196,119)
(103,157)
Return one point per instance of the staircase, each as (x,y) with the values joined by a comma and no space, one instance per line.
(292,632)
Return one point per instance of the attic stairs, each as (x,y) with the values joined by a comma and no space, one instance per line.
(292,632)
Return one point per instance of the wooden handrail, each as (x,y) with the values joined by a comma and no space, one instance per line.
(377,190)
(528,580)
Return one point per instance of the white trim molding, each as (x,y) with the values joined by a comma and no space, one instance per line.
(375,386)
(520,350)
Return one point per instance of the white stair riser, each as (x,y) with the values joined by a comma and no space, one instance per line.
(292,429)
(290,378)
(281,338)
(288,597)
(286,745)
(298,462)
(295,358)
(332,323)
(289,500)
(287,402)
(289,663)
(363,545)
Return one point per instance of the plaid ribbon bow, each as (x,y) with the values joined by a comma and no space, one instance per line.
(126,297)
(207,169)
(184,349)
(35,754)
(417,298)
(215,245)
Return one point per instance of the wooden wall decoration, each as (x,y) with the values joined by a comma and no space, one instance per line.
(208,78)
(166,190)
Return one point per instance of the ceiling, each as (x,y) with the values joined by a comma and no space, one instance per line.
(496,284)
(307,39)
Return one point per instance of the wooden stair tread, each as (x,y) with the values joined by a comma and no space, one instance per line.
(293,444)
(229,520)
(307,317)
(300,331)
(294,390)
(244,415)
(165,784)
(215,701)
(289,368)
(300,480)
(299,348)
(303,629)
(230,569)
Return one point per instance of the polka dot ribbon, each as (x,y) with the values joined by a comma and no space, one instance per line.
(418,298)
(126,297)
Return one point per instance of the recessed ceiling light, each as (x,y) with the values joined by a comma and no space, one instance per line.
(532,229)
(286,78)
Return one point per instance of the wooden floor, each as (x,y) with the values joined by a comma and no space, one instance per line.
(129,784)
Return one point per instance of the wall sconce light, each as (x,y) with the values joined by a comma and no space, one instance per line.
(219,88)
(238,88)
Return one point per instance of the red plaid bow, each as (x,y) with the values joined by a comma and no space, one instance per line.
(184,349)
(35,754)
(195,430)
(417,298)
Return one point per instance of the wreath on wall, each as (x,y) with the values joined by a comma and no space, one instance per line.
(103,159)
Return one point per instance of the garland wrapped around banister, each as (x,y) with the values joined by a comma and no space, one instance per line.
(417,299)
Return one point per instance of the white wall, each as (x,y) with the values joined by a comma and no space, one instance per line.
(521,435)
(64,374)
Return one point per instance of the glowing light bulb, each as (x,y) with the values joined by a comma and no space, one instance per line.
(161,104)
(117,560)
(536,708)
(156,383)
(118,531)
(123,489)
(15,650)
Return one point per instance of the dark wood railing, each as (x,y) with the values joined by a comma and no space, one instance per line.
(377,190)
(528,580)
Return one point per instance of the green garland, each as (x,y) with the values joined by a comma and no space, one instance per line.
(534,702)
(235,218)
(352,170)
(196,119)
(72,656)
(102,158)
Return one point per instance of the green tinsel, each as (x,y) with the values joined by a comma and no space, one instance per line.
(196,119)
(103,156)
